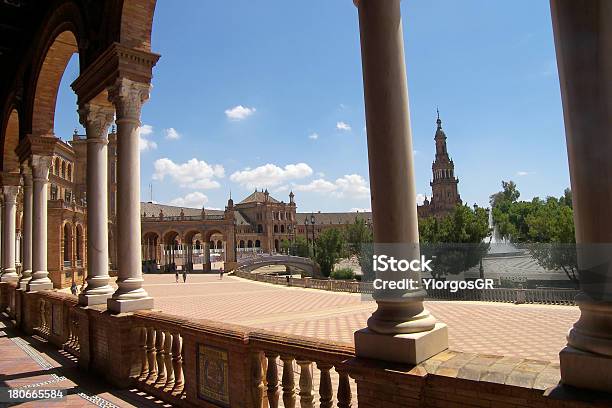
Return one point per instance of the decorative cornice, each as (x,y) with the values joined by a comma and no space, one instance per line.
(36,145)
(118,61)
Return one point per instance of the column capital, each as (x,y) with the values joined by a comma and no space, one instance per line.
(128,97)
(26,174)
(40,167)
(10,194)
(96,119)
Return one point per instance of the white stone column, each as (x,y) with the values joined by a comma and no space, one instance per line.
(128,97)
(583,41)
(401,329)
(8,234)
(96,119)
(26,274)
(40,172)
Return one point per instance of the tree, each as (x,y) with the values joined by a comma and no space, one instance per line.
(357,234)
(544,227)
(329,245)
(301,247)
(455,242)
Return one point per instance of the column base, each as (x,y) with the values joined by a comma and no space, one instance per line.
(23,283)
(35,286)
(90,300)
(9,277)
(129,305)
(412,348)
(586,370)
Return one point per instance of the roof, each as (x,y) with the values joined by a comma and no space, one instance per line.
(152,209)
(258,197)
(334,218)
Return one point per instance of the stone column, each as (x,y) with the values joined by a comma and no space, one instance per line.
(40,276)
(583,40)
(400,330)
(96,119)
(8,234)
(26,274)
(128,97)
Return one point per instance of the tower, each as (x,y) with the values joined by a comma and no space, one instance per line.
(444,184)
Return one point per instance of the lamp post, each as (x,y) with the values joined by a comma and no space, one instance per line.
(306,229)
(314,248)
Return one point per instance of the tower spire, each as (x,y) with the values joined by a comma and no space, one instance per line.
(439,122)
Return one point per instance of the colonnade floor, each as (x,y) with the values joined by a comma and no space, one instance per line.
(524,331)
(28,361)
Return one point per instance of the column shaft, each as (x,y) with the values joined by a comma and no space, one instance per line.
(128,97)
(583,41)
(26,274)
(8,236)
(96,120)
(392,184)
(40,276)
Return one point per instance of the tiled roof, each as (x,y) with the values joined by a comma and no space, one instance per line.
(152,209)
(258,197)
(334,218)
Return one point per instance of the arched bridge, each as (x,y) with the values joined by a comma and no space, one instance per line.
(307,265)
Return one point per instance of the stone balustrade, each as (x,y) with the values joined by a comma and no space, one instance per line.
(550,296)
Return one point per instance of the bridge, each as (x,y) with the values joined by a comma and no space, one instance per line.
(306,265)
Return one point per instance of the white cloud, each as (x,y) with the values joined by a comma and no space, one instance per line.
(172,134)
(195,174)
(522,173)
(360,210)
(349,186)
(270,175)
(193,200)
(317,186)
(420,198)
(239,112)
(143,142)
(313,136)
(343,126)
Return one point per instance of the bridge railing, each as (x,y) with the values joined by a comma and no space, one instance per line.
(550,296)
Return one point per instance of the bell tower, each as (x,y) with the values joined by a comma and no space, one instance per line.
(444,184)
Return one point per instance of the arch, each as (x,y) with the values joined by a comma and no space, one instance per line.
(169,237)
(241,245)
(10,161)
(257,243)
(136,23)
(57,166)
(249,244)
(198,245)
(54,62)
(67,242)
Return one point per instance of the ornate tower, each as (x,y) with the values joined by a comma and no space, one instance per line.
(444,185)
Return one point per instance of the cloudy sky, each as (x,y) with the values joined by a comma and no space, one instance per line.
(269,95)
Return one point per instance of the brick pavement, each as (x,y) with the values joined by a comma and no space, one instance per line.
(523,331)
(29,362)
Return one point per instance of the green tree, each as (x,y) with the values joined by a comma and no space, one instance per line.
(455,242)
(329,245)
(357,234)
(301,247)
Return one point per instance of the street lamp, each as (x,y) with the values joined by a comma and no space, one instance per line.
(306,228)
(312,221)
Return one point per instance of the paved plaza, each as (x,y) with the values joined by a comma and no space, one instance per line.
(525,331)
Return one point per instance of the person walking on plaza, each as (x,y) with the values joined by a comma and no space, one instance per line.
(74,289)
(221,273)
(176,275)
(184,275)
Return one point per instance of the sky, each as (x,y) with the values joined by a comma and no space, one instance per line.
(269,95)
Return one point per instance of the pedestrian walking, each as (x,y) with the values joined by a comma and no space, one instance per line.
(184,275)
(221,273)
(176,275)
(74,289)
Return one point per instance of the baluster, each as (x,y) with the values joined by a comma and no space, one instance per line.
(257,375)
(272,380)
(159,348)
(344,390)
(177,363)
(168,360)
(142,350)
(288,382)
(306,394)
(326,392)
(151,355)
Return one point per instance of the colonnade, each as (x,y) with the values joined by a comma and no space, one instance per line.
(180,254)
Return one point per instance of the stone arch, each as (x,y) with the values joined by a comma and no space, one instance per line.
(137,23)
(169,237)
(10,162)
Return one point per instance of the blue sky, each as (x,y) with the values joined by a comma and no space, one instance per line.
(270,94)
